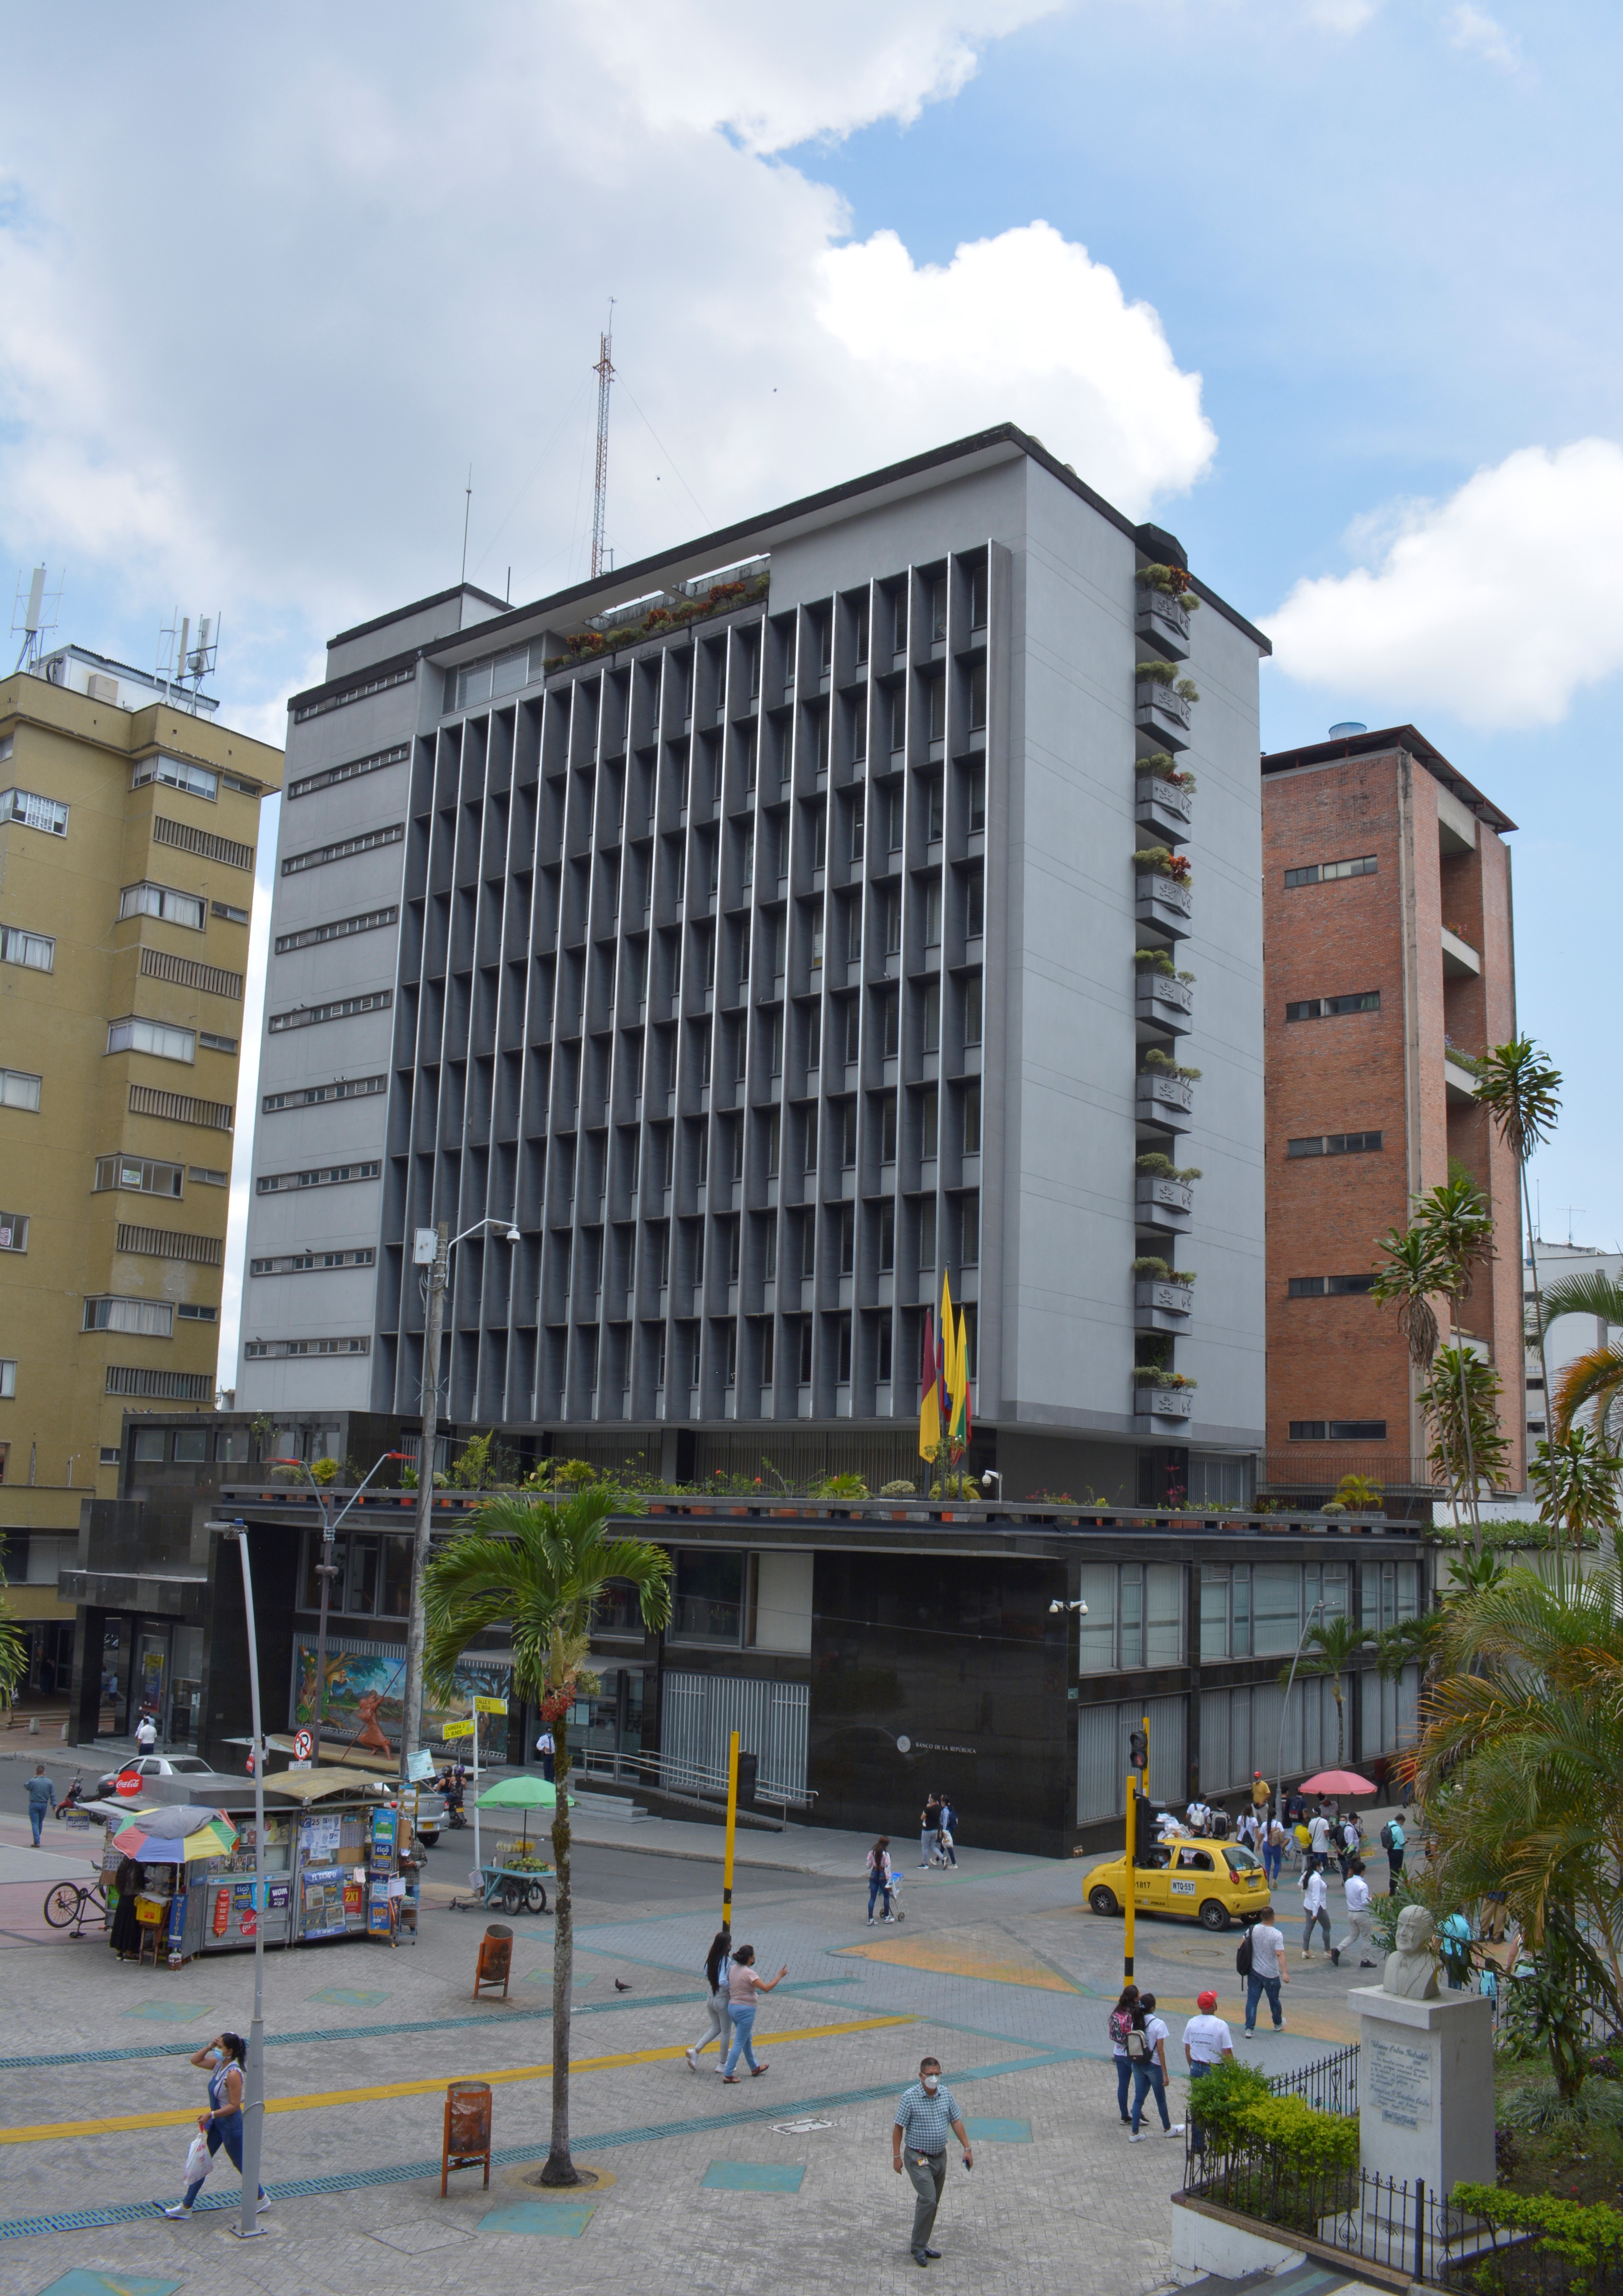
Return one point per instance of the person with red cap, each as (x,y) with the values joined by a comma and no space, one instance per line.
(1207,2042)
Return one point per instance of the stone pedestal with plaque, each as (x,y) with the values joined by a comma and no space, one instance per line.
(1426,2087)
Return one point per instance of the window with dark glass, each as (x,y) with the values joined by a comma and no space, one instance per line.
(708,1596)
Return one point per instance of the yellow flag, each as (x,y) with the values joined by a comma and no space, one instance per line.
(951,1359)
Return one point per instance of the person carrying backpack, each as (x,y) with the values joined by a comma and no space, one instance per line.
(1121,2033)
(1394,1841)
(1260,1960)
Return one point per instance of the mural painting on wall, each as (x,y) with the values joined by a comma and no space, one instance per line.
(364,1687)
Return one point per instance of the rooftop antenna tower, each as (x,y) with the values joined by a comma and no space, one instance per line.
(180,658)
(604,372)
(33,617)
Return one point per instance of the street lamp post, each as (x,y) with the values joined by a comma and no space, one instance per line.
(327,1571)
(249,2226)
(432,1248)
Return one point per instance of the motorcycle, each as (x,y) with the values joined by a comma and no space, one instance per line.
(452,1785)
(73,1799)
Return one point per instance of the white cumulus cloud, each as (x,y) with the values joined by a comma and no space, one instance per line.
(1498,604)
(1027,325)
(774,76)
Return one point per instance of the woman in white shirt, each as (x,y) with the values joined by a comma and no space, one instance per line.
(1150,2070)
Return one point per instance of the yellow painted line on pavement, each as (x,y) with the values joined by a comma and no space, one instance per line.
(41,2131)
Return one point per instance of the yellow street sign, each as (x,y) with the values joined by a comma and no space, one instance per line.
(490,1706)
(457,1730)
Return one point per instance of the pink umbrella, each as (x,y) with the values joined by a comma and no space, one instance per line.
(1337,1781)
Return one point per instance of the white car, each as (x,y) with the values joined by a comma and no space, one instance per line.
(156,1766)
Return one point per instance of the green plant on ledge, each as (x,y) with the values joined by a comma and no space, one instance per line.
(1166,673)
(1589,2235)
(1172,580)
(721,598)
(1150,1264)
(1163,861)
(1155,960)
(1152,1375)
(1160,1064)
(1157,1166)
(1161,764)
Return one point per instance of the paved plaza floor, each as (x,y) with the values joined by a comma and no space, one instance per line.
(781,2183)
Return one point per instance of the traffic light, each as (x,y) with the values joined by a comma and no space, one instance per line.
(1138,1750)
(1140,1829)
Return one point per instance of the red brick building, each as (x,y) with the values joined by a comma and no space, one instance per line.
(1386,943)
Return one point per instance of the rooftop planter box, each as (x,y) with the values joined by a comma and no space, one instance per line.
(1161,805)
(1162,902)
(1165,1100)
(1163,1403)
(1166,1002)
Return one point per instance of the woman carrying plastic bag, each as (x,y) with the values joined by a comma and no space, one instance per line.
(223,2061)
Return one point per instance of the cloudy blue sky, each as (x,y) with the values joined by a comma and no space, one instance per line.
(1327,286)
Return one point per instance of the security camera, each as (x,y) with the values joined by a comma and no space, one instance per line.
(513,1236)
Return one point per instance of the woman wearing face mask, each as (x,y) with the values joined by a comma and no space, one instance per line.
(223,2061)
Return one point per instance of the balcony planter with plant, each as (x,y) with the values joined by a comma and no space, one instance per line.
(1162,795)
(1161,1292)
(1163,1194)
(1162,889)
(1165,997)
(1162,1394)
(721,598)
(1162,700)
(1164,604)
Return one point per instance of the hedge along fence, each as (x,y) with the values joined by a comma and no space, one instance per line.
(1276,2159)
(1587,2236)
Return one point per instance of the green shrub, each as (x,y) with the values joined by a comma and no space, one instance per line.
(1217,2099)
(1311,2141)
(902,1490)
(1589,2235)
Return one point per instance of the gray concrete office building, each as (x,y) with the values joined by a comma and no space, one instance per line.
(760,929)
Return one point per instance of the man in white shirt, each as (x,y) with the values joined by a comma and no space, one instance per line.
(1207,2042)
(1360,1921)
(1315,1908)
(1268,1972)
(546,1746)
(1318,1836)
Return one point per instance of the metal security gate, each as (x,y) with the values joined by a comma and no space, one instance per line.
(699,1712)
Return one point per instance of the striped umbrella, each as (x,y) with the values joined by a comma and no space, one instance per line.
(174,1837)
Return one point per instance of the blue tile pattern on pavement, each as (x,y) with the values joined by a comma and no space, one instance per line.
(563,2219)
(408,2172)
(347,1996)
(80,2282)
(343,2032)
(751,2176)
(998,2132)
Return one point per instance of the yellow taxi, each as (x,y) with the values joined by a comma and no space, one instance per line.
(1190,1876)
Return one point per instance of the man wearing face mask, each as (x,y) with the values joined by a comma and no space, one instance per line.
(918,2142)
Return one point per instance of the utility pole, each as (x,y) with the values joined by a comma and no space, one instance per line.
(248,2226)
(411,1701)
(605,371)
(467,513)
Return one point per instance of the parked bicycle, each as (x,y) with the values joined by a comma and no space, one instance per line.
(67,1905)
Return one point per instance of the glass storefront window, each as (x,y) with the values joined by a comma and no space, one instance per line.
(396,1577)
(616,1611)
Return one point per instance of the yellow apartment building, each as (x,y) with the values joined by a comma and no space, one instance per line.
(127,832)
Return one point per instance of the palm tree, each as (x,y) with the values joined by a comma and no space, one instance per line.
(537,1567)
(1448,1232)
(13,1648)
(1598,1376)
(1522,1093)
(1332,1644)
(1520,1767)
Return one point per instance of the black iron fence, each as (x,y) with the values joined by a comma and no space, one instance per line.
(1329,2085)
(1400,2227)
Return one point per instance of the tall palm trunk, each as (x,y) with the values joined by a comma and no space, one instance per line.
(560,2169)
(1470,1462)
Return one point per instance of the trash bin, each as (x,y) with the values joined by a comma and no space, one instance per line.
(495,1958)
(467,2125)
